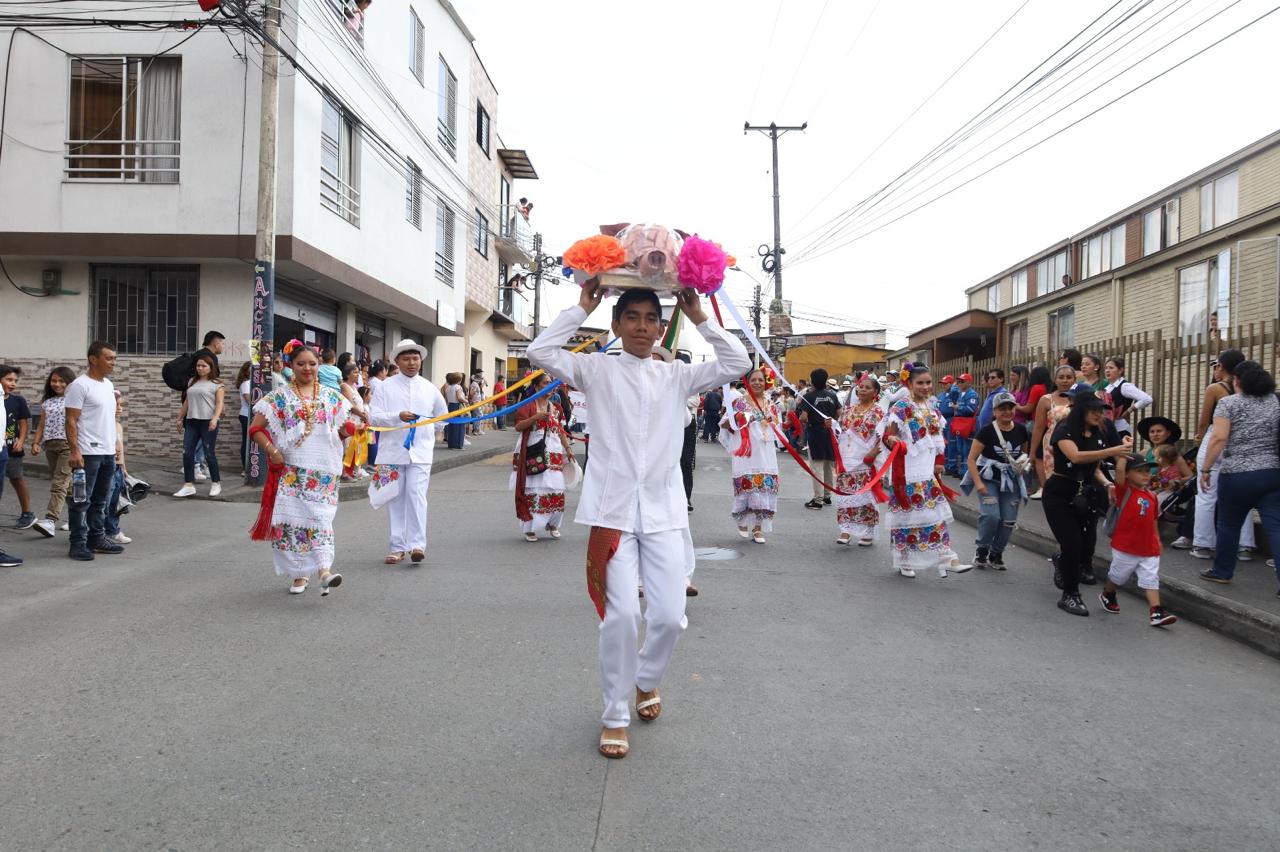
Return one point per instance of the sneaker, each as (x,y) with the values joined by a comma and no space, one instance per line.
(82,554)
(826,501)
(1214,578)
(215,489)
(1073,605)
(186,490)
(45,527)
(1036,496)
(813,504)
(9,561)
(64,526)
(997,561)
(1244,554)
(1088,578)
(1181,543)
(1202,552)
(119,538)
(105,546)
(27,519)
(1109,602)
(1057,571)
(1162,618)
(202,473)
(980,558)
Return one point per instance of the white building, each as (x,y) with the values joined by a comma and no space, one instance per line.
(129,183)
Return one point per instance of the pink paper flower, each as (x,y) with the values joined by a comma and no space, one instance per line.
(701,265)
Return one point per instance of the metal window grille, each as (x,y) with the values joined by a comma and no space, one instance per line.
(447,120)
(413,194)
(338,190)
(146,310)
(444,241)
(417,47)
(351,17)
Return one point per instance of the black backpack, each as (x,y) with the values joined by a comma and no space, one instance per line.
(177,373)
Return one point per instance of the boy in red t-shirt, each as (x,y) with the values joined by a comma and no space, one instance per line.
(1135,544)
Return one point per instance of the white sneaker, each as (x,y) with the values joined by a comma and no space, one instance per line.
(45,527)
(215,489)
(119,538)
(1036,496)
(202,473)
(185,491)
(64,526)
(465,442)
(1181,543)
(907,572)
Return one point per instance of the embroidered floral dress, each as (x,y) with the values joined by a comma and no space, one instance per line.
(307,499)
(918,532)
(748,436)
(545,491)
(858,516)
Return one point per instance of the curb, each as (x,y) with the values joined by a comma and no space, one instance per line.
(1247,625)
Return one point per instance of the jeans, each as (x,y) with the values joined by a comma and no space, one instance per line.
(454,434)
(1076,536)
(711,425)
(197,434)
(88,520)
(998,513)
(244,440)
(111,521)
(1238,493)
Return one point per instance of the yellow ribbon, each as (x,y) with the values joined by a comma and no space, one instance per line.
(357,453)
(470,408)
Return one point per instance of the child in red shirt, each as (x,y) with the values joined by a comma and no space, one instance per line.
(1135,544)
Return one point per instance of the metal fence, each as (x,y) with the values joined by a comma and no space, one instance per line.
(1174,370)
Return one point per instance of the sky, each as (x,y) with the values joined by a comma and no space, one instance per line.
(635,113)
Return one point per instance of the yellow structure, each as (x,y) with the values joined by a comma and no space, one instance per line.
(838,359)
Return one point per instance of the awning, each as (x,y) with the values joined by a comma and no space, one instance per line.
(517,162)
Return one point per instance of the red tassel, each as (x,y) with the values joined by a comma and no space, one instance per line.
(261,530)
(946,492)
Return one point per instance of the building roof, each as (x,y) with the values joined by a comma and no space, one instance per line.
(1192,179)
(517,162)
(457,19)
(965,325)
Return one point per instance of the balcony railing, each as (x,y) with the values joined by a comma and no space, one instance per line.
(137,161)
(348,13)
(513,228)
(339,196)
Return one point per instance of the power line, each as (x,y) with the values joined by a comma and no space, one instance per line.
(866,22)
(804,54)
(773,31)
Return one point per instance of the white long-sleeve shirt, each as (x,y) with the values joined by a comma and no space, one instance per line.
(638,410)
(1117,409)
(401,393)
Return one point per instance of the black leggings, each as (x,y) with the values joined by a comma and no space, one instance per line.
(1076,538)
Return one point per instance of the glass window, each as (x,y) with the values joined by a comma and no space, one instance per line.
(1206,207)
(993,298)
(482,128)
(146,310)
(482,234)
(413,194)
(1062,329)
(1118,236)
(1017,338)
(1222,305)
(1019,286)
(444,241)
(1152,231)
(124,119)
(1219,201)
(1193,301)
(339,175)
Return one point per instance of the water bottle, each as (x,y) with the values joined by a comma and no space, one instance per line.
(79,490)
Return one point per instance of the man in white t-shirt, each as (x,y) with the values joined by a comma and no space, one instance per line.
(91,434)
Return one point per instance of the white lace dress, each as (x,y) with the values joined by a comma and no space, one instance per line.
(748,436)
(917,518)
(857,516)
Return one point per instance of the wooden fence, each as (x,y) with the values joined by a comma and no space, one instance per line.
(1174,370)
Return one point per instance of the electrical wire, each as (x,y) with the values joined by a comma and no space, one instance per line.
(804,54)
(773,31)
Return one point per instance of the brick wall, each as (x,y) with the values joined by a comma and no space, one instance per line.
(150,410)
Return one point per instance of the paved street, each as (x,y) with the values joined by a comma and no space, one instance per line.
(176,698)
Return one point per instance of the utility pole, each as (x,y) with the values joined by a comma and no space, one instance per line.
(262,342)
(755,321)
(537,284)
(779,322)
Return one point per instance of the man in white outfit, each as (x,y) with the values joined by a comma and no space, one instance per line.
(633,496)
(405,398)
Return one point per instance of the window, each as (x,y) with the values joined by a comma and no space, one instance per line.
(146,310)
(482,234)
(413,194)
(482,128)
(339,175)
(1219,201)
(1017,338)
(1103,252)
(447,120)
(1152,231)
(1019,287)
(1049,272)
(124,119)
(1172,222)
(1204,289)
(1062,329)
(993,297)
(444,241)
(417,47)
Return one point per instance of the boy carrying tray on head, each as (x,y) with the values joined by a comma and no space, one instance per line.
(633,497)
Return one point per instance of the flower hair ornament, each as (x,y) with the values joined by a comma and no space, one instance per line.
(904,375)
(292,348)
(667,260)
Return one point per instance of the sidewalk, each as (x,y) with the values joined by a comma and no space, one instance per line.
(1247,610)
(165,475)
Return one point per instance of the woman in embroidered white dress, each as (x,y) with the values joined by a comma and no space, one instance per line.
(918,507)
(540,497)
(747,433)
(858,444)
(301,426)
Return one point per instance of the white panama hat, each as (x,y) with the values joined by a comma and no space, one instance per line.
(408,345)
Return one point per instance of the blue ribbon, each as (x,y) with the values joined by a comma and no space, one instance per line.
(413,432)
(503,412)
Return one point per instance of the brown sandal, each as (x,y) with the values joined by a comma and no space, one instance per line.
(394,558)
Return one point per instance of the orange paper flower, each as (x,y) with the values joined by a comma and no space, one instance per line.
(596,254)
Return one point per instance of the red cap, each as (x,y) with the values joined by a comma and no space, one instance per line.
(948,380)
(965,377)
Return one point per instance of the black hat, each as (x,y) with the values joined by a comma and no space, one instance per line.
(1145,424)
(1086,397)
(1136,461)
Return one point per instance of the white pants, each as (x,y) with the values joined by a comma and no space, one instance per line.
(690,562)
(408,510)
(1206,533)
(658,561)
(1123,566)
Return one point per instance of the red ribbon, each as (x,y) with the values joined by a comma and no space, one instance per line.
(873,484)
(261,529)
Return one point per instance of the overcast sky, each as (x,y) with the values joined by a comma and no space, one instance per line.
(634,112)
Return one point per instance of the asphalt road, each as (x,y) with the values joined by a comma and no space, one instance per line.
(176,698)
